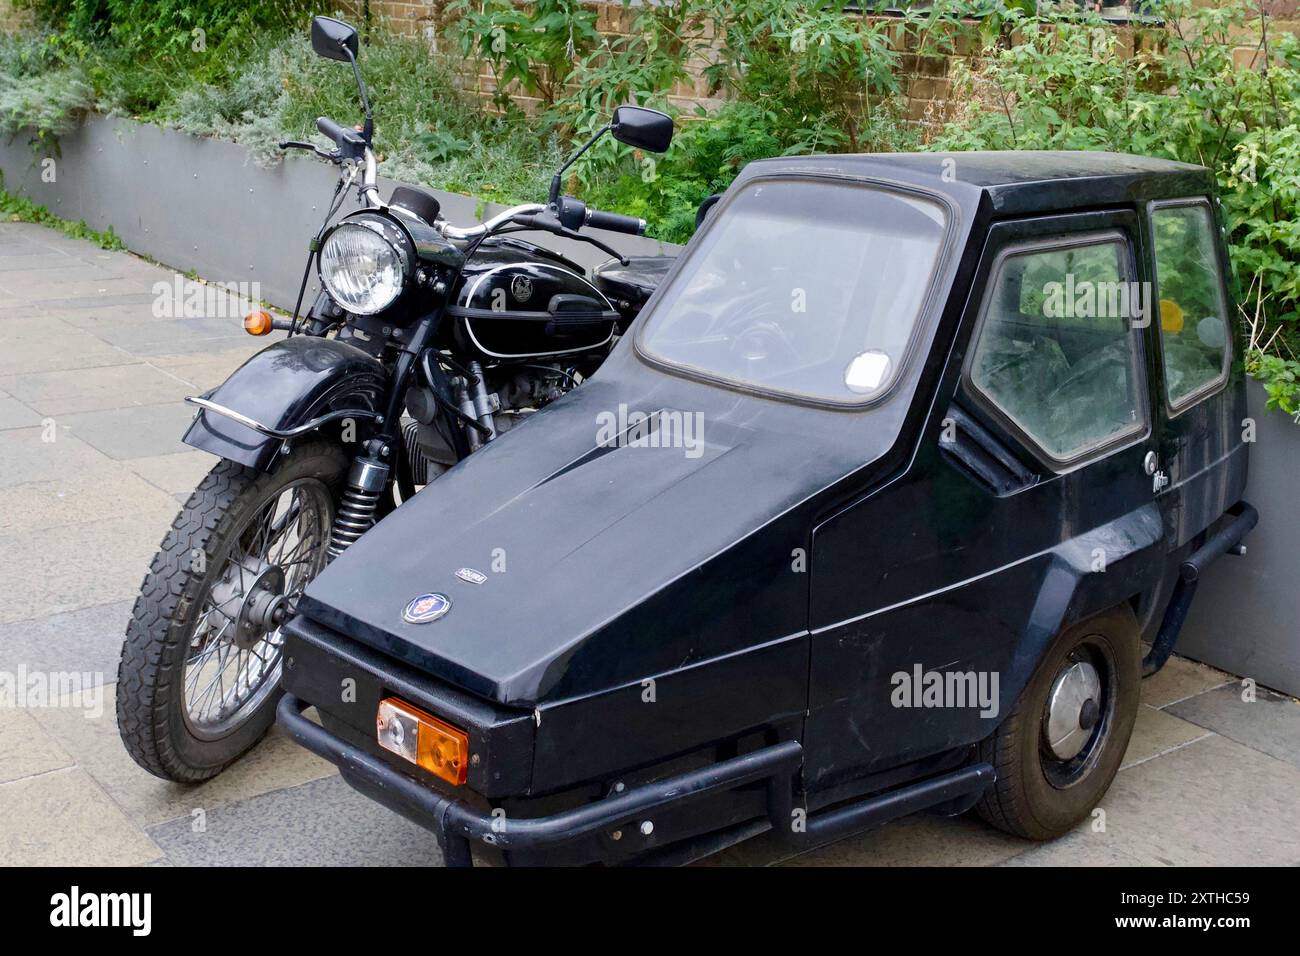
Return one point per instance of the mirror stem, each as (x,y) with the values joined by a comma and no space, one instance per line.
(369,129)
(558,179)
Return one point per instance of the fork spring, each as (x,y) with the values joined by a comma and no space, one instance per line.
(366,485)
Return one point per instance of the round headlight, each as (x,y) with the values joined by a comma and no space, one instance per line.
(361,269)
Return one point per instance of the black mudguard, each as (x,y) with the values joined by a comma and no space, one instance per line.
(282,386)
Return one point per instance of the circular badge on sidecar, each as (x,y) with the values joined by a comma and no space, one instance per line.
(426,608)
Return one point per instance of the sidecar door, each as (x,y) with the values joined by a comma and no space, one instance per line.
(1027,501)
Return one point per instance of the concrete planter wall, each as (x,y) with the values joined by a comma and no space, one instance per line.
(1246,616)
(199,204)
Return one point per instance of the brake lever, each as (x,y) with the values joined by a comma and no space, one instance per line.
(552,225)
(609,250)
(332,156)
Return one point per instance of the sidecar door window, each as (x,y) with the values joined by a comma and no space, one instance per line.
(1058,352)
(811,289)
(1193,314)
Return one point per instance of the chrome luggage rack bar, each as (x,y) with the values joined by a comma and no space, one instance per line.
(284,434)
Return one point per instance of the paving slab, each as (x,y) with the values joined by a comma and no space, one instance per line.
(95,389)
(63,819)
(35,289)
(25,748)
(86,641)
(323,823)
(276,763)
(19,310)
(77,497)
(1157,732)
(1178,679)
(21,257)
(922,840)
(40,344)
(98,301)
(76,566)
(88,320)
(148,336)
(123,433)
(208,371)
(28,455)
(14,414)
(1213,802)
(62,277)
(177,474)
(1096,851)
(1270,723)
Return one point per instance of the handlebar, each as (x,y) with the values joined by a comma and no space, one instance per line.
(352,151)
(489,225)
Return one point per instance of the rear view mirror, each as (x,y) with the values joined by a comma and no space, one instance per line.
(334,39)
(643,128)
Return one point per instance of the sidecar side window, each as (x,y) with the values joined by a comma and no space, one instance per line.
(1193,314)
(1058,353)
(801,288)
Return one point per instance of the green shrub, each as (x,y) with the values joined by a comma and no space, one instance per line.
(534,46)
(173,29)
(798,77)
(41,93)
(1065,85)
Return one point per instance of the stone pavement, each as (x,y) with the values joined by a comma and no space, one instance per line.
(91,472)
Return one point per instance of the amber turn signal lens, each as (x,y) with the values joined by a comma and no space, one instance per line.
(257,323)
(423,740)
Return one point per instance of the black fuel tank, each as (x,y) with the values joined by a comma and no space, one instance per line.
(516,301)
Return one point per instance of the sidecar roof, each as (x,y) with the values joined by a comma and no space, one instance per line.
(1015,182)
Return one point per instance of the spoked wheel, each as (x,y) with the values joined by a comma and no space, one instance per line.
(234,657)
(199,676)
(1060,748)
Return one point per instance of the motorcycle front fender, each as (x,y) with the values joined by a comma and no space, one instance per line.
(282,387)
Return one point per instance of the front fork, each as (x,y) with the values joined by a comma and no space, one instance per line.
(371,474)
(367,484)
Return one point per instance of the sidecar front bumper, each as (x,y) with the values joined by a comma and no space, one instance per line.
(458,825)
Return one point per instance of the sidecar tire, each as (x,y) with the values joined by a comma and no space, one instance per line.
(150,676)
(1036,796)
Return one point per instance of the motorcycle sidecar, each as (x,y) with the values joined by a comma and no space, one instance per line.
(871,513)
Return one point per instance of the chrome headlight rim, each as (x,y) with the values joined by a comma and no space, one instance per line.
(394,237)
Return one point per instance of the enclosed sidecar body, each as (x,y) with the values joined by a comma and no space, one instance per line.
(866,515)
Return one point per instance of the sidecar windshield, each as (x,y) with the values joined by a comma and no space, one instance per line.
(807,288)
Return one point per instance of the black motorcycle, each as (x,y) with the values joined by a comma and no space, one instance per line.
(426,342)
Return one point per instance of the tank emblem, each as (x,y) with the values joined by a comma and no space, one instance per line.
(521,287)
(426,608)
(471,576)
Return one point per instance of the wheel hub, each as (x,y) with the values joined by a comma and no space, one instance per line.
(252,595)
(1073,709)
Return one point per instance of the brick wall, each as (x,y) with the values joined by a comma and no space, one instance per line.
(12,20)
(927,78)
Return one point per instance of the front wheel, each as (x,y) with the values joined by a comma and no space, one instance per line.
(1058,751)
(199,677)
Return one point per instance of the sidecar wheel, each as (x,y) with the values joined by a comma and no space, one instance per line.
(228,573)
(1058,751)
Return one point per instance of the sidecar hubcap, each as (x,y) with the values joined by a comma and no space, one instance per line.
(1073,707)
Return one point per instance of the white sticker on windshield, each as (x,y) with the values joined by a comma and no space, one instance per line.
(866,371)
